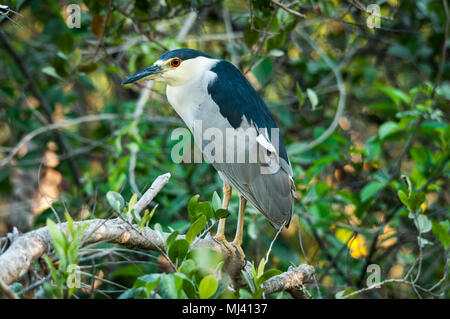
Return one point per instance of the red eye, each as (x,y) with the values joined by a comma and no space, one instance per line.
(175,62)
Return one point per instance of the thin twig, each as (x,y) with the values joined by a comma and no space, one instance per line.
(102,34)
(261,42)
(43,103)
(143,99)
(83,119)
(342,94)
(444,50)
(154,189)
(287,9)
(188,23)
(8,292)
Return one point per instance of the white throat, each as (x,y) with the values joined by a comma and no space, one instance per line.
(187,86)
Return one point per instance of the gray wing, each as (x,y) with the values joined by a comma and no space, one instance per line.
(268,187)
(271,194)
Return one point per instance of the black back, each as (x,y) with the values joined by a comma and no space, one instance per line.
(236,97)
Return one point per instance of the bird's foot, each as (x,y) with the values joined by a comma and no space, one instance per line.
(239,252)
(224,242)
(233,248)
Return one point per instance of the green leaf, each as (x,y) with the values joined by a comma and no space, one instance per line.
(276,41)
(60,243)
(149,281)
(250,37)
(196,228)
(261,265)
(57,236)
(193,206)
(440,230)
(370,190)
(65,42)
(132,202)
(147,217)
(372,148)
(423,224)
(312,96)
(188,267)
(258,293)
(386,129)
(403,198)
(133,147)
(221,213)
(415,200)
(263,70)
(267,275)
(420,155)
(115,200)
(206,259)
(171,285)
(49,70)
(422,242)
(301,99)
(178,250)
(171,238)
(189,288)
(216,201)
(207,287)
(396,95)
(205,208)
(342,293)
(244,294)
(249,280)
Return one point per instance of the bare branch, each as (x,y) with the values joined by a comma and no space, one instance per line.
(287,9)
(342,94)
(8,292)
(290,280)
(154,189)
(83,119)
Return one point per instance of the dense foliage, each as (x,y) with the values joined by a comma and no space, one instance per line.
(372,186)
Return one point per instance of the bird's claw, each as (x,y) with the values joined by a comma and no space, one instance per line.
(232,248)
(239,252)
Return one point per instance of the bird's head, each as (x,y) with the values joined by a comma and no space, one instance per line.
(174,67)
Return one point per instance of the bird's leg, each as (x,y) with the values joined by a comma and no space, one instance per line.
(240,226)
(220,235)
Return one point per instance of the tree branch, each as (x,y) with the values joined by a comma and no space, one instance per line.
(342,94)
(290,281)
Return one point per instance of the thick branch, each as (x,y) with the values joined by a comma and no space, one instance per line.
(26,249)
(291,281)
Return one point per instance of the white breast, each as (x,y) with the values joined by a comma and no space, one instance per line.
(187,97)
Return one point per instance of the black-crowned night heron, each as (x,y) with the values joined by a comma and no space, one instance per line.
(216,94)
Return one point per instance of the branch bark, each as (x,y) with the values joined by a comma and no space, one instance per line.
(24,250)
(291,281)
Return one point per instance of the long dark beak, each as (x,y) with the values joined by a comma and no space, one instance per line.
(153,70)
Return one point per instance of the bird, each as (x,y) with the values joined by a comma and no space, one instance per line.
(215,93)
